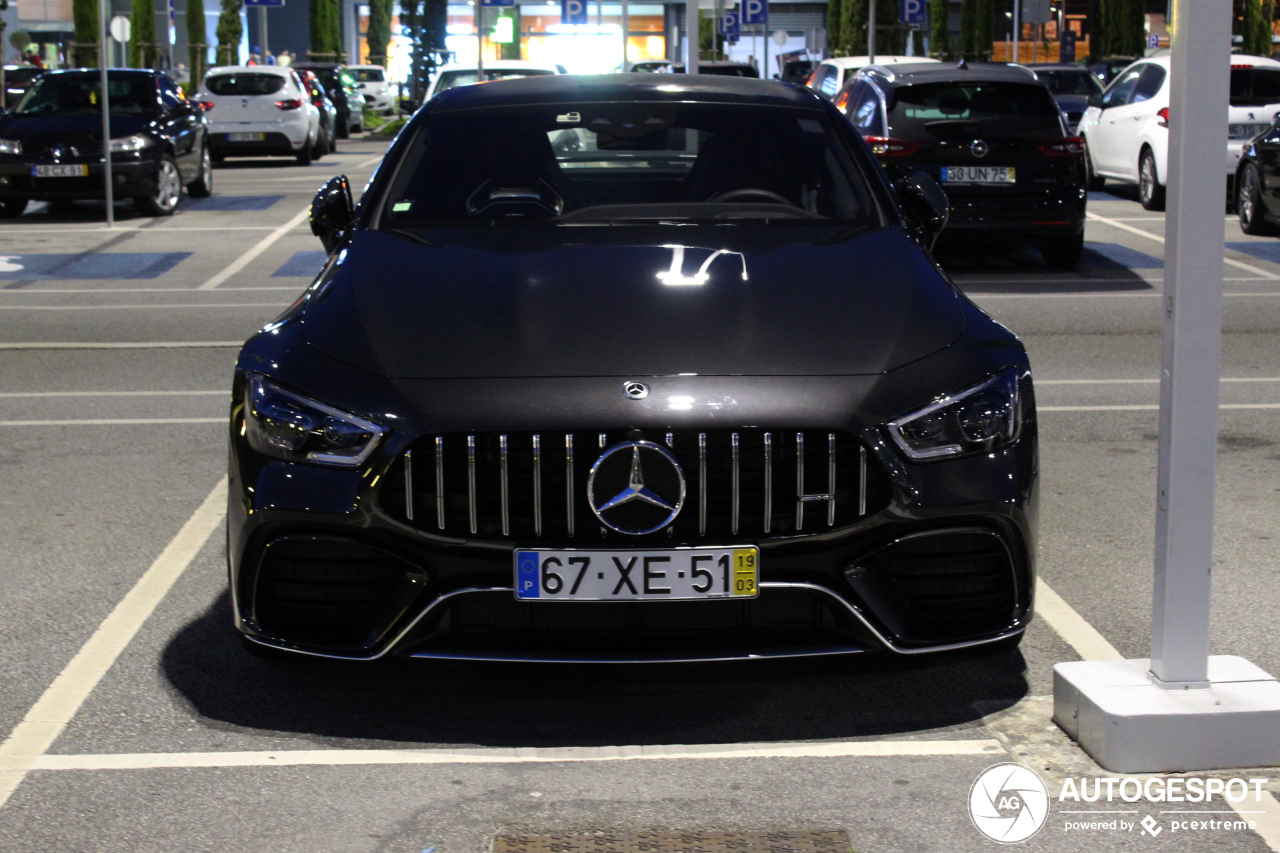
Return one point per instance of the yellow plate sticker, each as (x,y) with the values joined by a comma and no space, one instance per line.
(746,567)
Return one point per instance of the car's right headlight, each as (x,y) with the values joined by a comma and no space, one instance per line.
(286,425)
(10,146)
(981,419)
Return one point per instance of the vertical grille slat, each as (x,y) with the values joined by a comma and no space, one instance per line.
(746,483)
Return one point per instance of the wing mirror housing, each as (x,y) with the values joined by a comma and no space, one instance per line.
(926,207)
(332,212)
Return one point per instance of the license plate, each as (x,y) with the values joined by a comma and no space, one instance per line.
(60,171)
(979,175)
(245,137)
(1246,131)
(671,575)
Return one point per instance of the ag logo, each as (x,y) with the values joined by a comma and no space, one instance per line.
(1008,803)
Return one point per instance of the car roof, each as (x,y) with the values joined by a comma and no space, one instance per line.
(864,61)
(946,72)
(368,67)
(574,88)
(251,69)
(127,72)
(1056,66)
(501,65)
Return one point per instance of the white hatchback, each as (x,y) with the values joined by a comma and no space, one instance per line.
(1126,128)
(259,110)
(498,69)
(379,94)
(831,74)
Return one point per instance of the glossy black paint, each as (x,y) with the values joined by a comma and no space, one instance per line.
(535,327)
(1259,214)
(178,128)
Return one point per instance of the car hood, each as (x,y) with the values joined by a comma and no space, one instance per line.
(789,299)
(69,128)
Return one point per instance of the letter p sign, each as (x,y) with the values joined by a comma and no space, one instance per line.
(755,12)
(573,11)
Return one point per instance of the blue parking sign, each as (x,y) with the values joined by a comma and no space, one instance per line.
(497,2)
(729,25)
(755,12)
(912,12)
(573,11)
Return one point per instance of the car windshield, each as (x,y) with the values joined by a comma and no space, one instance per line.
(1010,109)
(450,79)
(74,94)
(1255,87)
(368,75)
(1069,82)
(628,161)
(244,84)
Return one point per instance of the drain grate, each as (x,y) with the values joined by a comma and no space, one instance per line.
(778,841)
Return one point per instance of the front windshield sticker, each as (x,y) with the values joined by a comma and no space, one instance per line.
(402,206)
(808,125)
(569,118)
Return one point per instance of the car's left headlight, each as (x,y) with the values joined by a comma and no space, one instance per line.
(983,418)
(131,143)
(286,425)
(10,146)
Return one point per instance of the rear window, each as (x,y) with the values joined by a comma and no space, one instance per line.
(450,79)
(1065,82)
(244,84)
(1255,87)
(1015,109)
(368,75)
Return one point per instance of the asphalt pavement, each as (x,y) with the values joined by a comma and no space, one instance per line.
(136,722)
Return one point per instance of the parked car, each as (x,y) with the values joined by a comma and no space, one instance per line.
(756,421)
(718,68)
(51,144)
(343,91)
(260,110)
(650,65)
(379,94)
(459,74)
(992,136)
(797,71)
(1072,87)
(831,75)
(1108,68)
(1257,183)
(328,112)
(17,79)
(1127,126)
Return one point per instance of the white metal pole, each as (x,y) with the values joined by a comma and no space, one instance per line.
(1188,444)
(626,32)
(1017,26)
(106,112)
(764,51)
(262,31)
(479,41)
(691,36)
(871,31)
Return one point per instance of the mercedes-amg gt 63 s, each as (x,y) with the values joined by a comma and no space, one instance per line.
(632,367)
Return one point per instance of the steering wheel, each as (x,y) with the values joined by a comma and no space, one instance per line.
(749,192)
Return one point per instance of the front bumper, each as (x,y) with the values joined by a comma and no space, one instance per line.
(132,177)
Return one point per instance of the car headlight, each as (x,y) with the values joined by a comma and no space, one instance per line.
(286,425)
(986,417)
(10,146)
(131,143)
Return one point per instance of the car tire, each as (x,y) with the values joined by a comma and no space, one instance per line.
(304,153)
(11,208)
(168,194)
(1150,191)
(1249,204)
(1093,181)
(1064,252)
(202,187)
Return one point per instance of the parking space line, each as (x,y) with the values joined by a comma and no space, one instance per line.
(3,292)
(114,422)
(1082,637)
(28,394)
(119,228)
(519,755)
(17,345)
(260,247)
(42,725)
(1152,408)
(141,307)
(1115,223)
(370,162)
(1267,822)
(1146,381)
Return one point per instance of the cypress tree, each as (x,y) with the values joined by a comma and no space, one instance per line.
(142,43)
(835,9)
(230,31)
(319,22)
(197,38)
(1256,28)
(1131,27)
(940,29)
(335,31)
(85,49)
(968,26)
(379,32)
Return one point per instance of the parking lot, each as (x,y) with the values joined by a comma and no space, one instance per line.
(139,722)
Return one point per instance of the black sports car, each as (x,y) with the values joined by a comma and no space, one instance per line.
(631,367)
(51,144)
(1257,181)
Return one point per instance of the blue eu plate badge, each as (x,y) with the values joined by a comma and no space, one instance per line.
(527,574)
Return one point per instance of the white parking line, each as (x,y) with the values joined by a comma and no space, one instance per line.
(276,305)
(47,290)
(115,422)
(41,725)
(16,394)
(370,162)
(40,345)
(1082,637)
(260,247)
(1146,381)
(1115,223)
(1148,294)
(1152,408)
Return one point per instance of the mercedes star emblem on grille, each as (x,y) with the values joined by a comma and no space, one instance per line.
(979,148)
(635,390)
(636,507)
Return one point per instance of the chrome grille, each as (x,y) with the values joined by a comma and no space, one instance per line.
(524,486)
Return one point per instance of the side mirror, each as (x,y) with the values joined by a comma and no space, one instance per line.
(332,212)
(925,206)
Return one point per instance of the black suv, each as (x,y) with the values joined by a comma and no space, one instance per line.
(991,136)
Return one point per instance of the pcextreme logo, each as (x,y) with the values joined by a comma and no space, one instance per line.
(1009,803)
